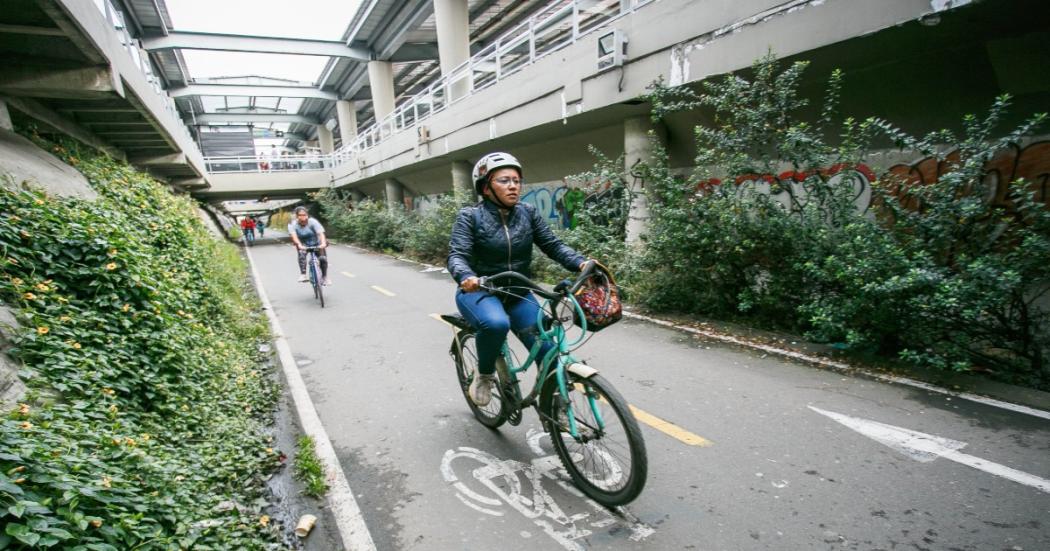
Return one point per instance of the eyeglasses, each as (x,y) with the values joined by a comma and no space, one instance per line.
(507,180)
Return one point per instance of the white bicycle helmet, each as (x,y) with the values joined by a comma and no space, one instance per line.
(490,162)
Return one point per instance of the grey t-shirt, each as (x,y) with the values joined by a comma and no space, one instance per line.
(310,234)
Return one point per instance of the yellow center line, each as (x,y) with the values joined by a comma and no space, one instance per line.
(670,429)
(348,274)
(666,427)
(438,317)
(383,291)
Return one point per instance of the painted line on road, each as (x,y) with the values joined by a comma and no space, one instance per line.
(348,274)
(669,428)
(383,291)
(348,517)
(839,366)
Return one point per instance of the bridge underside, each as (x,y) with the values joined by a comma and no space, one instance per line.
(273,185)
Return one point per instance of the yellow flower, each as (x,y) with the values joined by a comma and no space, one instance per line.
(146,437)
(42,287)
(29,296)
(111,266)
(126,307)
(62,299)
(107,391)
(107,482)
(19,480)
(65,319)
(115,441)
(130,441)
(76,346)
(16,281)
(97,523)
(43,330)
(113,408)
(25,425)
(112,252)
(264,520)
(38,201)
(23,409)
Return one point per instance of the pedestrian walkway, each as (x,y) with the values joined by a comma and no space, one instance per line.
(785,456)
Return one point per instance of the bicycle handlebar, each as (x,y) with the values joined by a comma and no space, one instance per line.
(563,288)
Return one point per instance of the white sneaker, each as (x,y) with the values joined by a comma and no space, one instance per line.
(303,278)
(480,390)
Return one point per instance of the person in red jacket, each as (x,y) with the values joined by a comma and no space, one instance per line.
(248,227)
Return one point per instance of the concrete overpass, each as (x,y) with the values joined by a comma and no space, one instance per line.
(72,68)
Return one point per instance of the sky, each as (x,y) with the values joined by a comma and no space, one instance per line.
(317,19)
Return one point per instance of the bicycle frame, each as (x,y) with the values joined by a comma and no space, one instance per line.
(559,356)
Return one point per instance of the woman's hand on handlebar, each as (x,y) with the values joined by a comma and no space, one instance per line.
(470,284)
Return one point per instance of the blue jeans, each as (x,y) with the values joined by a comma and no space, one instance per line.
(493,318)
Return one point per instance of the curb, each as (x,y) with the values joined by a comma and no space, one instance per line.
(1030,400)
(348,517)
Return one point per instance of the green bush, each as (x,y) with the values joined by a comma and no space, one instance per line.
(767,230)
(148,429)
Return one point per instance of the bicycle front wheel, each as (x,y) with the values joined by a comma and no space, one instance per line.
(464,353)
(607,458)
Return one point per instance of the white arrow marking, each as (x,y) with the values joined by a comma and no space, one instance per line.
(927,447)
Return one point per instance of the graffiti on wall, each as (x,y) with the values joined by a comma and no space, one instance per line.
(788,188)
(1032,163)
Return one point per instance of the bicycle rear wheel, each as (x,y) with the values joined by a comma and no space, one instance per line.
(607,460)
(464,353)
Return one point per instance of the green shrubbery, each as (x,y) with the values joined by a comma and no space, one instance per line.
(145,427)
(935,274)
(371,224)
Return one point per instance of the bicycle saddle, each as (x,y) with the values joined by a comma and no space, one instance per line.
(456,320)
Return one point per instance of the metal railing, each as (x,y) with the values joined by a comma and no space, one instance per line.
(267,163)
(115,18)
(556,26)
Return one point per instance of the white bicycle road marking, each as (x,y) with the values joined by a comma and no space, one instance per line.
(503,480)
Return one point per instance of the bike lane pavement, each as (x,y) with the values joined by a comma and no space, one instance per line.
(770,471)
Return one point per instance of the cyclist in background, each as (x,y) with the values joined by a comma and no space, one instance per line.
(493,236)
(306,231)
(248,227)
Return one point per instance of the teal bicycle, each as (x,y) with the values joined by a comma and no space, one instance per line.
(592,429)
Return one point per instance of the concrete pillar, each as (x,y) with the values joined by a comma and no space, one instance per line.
(325,140)
(347,113)
(462,186)
(453,34)
(395,194)
(381,81)
(5,117)
(638,148)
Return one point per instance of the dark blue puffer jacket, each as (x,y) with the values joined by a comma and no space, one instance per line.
(484,242)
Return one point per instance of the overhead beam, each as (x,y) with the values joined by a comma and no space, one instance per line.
(31,30)
(411,15)
(171,159)
(212,118)
(189,182)
(57,82)
(419,51)
(46,115)
(260,44)
(250,90)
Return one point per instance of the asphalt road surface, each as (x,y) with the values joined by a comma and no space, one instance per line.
(746,451)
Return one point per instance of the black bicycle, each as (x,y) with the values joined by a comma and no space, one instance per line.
(313,269)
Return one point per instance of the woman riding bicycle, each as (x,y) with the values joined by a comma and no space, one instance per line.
(493,236)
